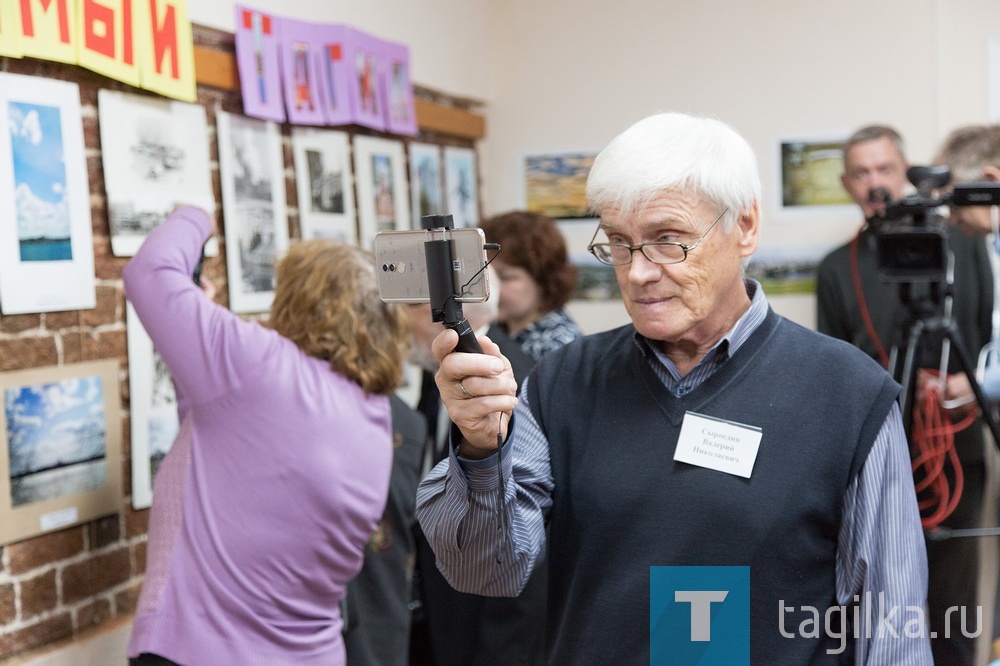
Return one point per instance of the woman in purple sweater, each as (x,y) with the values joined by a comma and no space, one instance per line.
(280,470)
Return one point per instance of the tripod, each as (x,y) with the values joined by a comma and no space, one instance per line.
(928,320)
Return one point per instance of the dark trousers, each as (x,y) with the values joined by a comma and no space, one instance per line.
(146,659)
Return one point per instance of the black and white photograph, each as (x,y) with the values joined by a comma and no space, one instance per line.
(153,408)
(155,156)
(253,201)
(324,183)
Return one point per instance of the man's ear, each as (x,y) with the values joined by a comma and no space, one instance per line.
(991,174)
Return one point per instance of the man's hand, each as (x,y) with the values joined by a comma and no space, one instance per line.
(476,389)
(955,393)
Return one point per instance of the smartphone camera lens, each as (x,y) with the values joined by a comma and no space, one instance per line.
(385,268)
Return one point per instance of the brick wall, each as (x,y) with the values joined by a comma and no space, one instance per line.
(63,584)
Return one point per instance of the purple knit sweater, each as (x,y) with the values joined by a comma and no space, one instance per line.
(268,496)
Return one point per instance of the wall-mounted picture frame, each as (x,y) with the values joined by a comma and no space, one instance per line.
(426,181)
(155,156)
(555,184)
(808,175)
(60,447)
(252,171)
(152,409)
(47,255)
(324,184)
(461,181)
(383,194)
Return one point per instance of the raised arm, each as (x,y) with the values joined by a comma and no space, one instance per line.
(208,349)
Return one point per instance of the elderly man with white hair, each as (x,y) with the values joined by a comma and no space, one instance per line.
(708,432)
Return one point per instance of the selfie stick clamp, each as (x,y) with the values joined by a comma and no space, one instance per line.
(445,306)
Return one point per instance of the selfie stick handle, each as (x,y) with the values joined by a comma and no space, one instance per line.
(445,306)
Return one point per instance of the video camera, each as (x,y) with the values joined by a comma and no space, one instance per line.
(911,234)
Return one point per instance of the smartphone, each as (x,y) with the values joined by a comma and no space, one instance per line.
(402,266)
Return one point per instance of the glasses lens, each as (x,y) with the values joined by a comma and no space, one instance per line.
(664,254)
(611,254)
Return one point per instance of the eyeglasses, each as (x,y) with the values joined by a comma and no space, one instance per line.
(659,252)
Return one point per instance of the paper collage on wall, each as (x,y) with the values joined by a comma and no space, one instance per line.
(155,155)
(252,171)
(810,169)
(46,241)
(60,454)
(460,180)
(324,184)
(152,407)
(426,181)
(383,199)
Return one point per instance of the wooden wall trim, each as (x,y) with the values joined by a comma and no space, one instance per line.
(217,69)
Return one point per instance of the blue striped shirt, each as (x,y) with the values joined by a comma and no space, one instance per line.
(881,558)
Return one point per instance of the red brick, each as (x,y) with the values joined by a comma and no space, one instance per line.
(19,323)
(127,600)
(106,265)
(136,522)
(38,594)
(104,345)
(44,632)
(93,614)
(45,549)
(140,550)
(28,352)
(72,346)
(7,609)
(104,531)
(88,578)
(110,305)
(58,321)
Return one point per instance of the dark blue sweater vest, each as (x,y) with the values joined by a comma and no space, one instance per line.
(622,504)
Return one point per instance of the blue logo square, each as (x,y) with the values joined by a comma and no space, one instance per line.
(699,615)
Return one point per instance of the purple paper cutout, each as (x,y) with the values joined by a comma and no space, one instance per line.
(303,82)
(365,57)
(336,71)
(258,62)
(402,117)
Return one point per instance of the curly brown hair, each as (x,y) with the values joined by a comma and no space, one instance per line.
(533,242)
(326,301)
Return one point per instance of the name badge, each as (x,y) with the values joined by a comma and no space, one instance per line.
(718,444)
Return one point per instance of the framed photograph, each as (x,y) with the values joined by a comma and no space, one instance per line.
(324,182)
(46,242)
(426,181)
(251,167)
(809,170)
(594,281)
(461,185)
(60,458)
(153,407)
(155,154)
(383,198)
(556,185)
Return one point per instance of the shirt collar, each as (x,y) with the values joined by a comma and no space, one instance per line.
(730,342)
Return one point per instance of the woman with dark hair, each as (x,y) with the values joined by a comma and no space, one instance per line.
(536,280)
(280,471)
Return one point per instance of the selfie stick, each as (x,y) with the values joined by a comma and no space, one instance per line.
(445,306)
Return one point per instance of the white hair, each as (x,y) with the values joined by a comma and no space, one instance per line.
(676,151)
